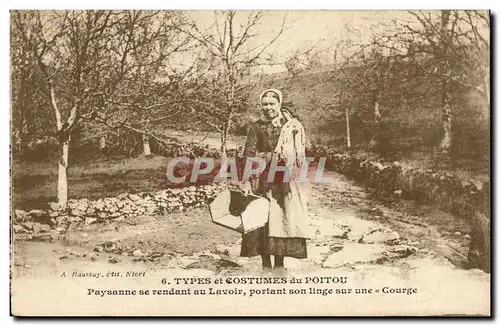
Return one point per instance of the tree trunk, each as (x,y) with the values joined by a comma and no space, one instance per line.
(146,147)
(102,142)
(223,143)
(446,119)
(22,97)
(64,136)
(223,137)
(62,180)
(376,112)
(348,129)
(445,81)
(487,89)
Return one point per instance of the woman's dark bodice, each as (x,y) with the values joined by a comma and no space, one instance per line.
(262,137)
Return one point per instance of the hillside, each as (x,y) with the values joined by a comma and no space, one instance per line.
(410,107)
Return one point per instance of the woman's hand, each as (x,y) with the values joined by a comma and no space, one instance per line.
(246,188)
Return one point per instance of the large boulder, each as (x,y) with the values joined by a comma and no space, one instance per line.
(479,250)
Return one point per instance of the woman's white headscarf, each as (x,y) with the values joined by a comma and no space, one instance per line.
(274,90)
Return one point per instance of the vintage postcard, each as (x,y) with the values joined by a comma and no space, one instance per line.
(250,163)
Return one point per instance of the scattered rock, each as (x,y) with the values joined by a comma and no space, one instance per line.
(73,226)
(113,247)
(90,220)
(222,249)
(39,228)
(360,228)
(56,206)
(23,236)
(156,255)
(19,229)
(77,212)
(74,219)
(134,197)
(54,214)
(226,263)
(21,215)
(404,250)
(38,215)
(458,233)
(185,261)
(137,253)
(467,236)
(44,228)
(393,236)
(380,236)
(61,219)
(353,253)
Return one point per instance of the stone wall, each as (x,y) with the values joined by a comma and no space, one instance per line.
(43,224)
(445,190)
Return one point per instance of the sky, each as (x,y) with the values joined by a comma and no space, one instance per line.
(304,29)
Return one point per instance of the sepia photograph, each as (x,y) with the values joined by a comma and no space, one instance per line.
(250,163)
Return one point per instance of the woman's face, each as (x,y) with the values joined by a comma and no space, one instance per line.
(271,107)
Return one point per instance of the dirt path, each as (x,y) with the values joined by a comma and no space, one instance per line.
(353,235)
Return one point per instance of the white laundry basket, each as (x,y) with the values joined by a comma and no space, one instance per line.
(238,212)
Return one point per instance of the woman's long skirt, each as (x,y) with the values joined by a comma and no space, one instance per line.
(258,242)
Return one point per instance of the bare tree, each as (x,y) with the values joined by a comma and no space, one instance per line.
(42,36)
(142,92)
(233,51)
(75,52)
(452,46)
